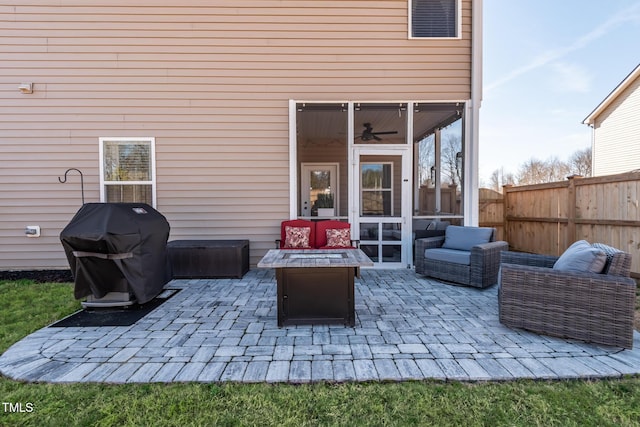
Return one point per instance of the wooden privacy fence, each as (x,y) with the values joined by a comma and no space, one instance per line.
(492,211)
(547,218)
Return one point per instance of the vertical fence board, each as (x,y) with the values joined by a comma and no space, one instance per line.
(492,211)
(547,218)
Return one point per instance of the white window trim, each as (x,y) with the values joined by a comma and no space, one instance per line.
(458,24)
(152,141)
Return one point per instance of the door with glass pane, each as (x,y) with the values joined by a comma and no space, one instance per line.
(319,190)
(382,206)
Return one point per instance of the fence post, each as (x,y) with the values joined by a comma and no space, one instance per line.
(572,208)
(505,211)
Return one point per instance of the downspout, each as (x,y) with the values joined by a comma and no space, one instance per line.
(437,139)
(293,161)
(471,167)
(593,147)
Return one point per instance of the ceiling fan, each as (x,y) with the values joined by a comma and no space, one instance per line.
(368,134)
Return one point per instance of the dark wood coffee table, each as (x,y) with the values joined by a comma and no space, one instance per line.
(315,286)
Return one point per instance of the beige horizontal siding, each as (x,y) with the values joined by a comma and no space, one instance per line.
(211,82)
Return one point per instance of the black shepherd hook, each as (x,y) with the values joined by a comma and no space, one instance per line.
(62,181)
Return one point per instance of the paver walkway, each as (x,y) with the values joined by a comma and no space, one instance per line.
(408,328)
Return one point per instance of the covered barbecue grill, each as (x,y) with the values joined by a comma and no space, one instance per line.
(117,253)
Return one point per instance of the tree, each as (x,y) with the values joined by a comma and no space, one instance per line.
(499,179)
(451,160)
(580,162)
(426,159)
(535,171)
(557,170)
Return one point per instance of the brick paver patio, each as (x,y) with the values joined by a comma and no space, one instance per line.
(408,328)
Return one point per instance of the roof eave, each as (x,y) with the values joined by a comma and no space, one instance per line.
(591,118)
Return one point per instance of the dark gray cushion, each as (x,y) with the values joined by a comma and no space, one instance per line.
(464,238)
(610,252)
(448,255)
(421,224)
(581,257)
(421,234)
(442,225)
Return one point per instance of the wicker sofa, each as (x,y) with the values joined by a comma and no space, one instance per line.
(468,256)
(592,307)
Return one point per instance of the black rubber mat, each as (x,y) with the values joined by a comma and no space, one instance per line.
(123,316)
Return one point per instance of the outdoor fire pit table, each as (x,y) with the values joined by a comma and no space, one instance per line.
(315,286)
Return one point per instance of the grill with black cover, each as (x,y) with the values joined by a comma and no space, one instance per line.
(117,248)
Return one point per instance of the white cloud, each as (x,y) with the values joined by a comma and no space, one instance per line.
(631,14)
(571,78)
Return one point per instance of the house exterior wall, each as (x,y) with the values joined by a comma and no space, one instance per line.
(616,133)
(210,81)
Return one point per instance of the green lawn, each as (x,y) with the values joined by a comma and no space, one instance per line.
(27,307)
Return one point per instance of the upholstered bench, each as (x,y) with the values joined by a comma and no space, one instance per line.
(194,259)
(326,234)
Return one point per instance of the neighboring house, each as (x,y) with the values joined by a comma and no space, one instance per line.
(616,129)
(230,116)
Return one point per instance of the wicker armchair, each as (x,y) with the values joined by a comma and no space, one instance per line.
(479,269)
(597,308)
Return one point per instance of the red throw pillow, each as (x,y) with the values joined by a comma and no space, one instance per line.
(296,237)
(339,237)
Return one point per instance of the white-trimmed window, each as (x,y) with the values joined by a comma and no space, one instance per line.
(127,170)
(434,18)
(376,195)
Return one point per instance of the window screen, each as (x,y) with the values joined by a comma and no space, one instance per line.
(434,18)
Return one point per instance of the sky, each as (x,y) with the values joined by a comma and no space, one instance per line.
(547,64)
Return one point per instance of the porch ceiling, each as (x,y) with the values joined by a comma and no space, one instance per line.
(322,122)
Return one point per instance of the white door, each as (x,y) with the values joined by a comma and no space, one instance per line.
(319,193)
(382,204)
